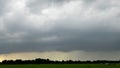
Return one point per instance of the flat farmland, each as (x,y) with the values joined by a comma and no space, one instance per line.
(60,66)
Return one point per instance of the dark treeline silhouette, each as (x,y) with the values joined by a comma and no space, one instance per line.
(47,61)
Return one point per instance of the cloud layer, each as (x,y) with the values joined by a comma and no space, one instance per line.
(59,25)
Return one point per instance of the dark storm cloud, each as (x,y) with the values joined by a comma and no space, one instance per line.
(59,25)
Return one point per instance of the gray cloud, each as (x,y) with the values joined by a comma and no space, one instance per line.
(2,6)
(36,6)
(59,25)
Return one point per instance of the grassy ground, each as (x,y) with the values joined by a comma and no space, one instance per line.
(61,66)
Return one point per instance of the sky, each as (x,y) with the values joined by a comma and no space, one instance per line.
(60,29)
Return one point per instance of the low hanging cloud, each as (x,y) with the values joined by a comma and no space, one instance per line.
(59,25)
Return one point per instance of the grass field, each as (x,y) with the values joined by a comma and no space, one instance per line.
(61,66)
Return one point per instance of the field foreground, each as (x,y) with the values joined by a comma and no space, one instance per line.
(60,66)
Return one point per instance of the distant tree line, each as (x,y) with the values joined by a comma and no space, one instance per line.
(47,61)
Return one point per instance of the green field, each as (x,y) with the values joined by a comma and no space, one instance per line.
(61,66)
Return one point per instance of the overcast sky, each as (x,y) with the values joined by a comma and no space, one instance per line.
(63,26)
